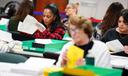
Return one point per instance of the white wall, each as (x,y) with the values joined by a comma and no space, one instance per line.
(96,8)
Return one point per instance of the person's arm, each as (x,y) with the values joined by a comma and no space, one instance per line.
(103,58)
(64,58)
(106,37)
(13,25)
(57,34)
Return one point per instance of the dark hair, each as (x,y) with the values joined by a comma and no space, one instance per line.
(124,14)
(11,11)
(111,17)
(25,8)
(57,22)
(10,8)
(82,23)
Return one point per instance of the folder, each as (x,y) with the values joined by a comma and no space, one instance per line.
(73,54)
(77,72)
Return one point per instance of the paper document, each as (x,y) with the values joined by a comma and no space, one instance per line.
(4,21)
(40,61)
(30,25)
(5,36)
(73,54)
(114,46)
(43,41)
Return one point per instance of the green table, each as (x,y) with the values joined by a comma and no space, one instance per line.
(97,70)
(55,46)
(27,46)
(102,71)
(3,27)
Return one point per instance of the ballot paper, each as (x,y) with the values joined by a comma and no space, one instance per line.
(5,36)
(114,45)
(30,25)
(40,61)
(43,41)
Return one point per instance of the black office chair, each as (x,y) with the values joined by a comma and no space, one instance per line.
(51,55)
(10,8)
(12,58)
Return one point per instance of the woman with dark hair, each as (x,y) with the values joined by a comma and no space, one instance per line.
(54,27)
(120,32)
(26,7)
(111,17)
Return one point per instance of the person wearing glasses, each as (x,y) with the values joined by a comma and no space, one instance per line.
(81,31)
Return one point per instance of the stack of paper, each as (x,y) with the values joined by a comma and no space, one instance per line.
(30,25)
(5,36)
(40,61)
(27,70)
(73,54)
(33,66)
(6,67)
(4,21)
(11,74)
(114,45)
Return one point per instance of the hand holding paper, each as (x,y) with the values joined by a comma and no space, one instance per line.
(40,27)
(30,25)
(115,45)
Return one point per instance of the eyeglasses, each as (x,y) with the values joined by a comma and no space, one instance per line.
(75,30)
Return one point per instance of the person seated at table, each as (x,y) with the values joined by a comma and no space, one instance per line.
(25,8)
(110,18)
(121,32)
(70,10)
(52,21)
(81,31)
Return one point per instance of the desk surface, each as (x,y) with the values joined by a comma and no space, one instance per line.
(103,71)
(97,70)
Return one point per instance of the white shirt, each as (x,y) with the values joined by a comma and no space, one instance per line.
(99,51)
